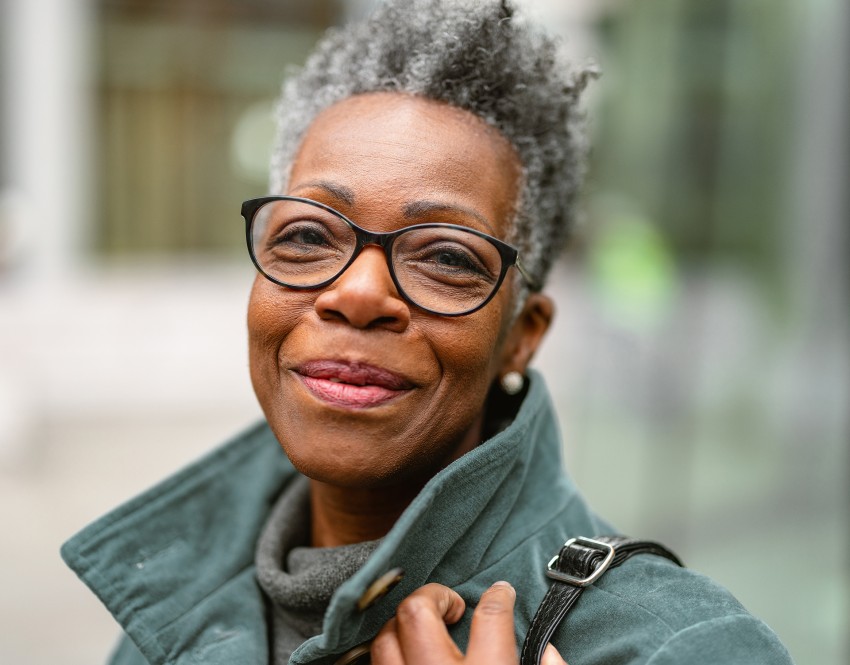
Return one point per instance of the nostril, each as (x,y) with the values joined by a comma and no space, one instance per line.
(331,314)
(364,317)
(384,322)
(363,308)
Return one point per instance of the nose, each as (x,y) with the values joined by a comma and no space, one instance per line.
(365,296)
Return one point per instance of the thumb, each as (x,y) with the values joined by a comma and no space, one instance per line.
(552,657)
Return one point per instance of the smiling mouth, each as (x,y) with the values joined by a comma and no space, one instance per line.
(351,385)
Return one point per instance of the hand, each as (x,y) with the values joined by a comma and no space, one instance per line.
(417,635)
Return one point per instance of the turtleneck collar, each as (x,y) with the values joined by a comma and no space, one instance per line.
(297,580)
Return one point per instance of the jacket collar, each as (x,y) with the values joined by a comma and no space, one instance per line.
(141,559)
(185,549)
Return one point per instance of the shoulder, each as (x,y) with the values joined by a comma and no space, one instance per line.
(739,638)
(653,612)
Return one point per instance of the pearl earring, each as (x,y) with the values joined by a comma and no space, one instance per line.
(512,382)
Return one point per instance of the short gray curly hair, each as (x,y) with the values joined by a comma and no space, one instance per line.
(481,56)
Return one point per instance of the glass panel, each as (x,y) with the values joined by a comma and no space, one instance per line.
(299,243)
(446,270)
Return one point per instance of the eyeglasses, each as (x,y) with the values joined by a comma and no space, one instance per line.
(442,268)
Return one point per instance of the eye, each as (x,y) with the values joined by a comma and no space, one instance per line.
(448,260)
(304,234)
(456,258)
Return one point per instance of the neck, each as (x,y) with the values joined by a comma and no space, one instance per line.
(341,516)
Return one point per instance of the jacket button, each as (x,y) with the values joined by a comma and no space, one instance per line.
(359,655)
(380,588)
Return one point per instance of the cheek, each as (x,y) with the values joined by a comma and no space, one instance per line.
(469,353)
(266,317)
(273,313)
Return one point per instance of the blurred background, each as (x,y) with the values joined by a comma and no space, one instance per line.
(700,357)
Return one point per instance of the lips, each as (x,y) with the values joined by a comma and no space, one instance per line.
(351,384)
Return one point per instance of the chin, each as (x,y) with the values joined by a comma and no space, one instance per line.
(350,476)
(345,465)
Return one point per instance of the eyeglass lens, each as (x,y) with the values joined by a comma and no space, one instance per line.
(442,269)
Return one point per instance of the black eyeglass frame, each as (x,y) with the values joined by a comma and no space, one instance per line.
(363,237)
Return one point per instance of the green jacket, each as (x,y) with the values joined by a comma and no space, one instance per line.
(176,565)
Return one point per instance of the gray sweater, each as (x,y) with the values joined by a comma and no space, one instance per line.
(298,581)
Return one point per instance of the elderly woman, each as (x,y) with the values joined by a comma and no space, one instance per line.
(423,181)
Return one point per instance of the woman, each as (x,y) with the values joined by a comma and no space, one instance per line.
(423,181)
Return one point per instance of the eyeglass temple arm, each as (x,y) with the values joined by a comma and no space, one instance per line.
(533,283)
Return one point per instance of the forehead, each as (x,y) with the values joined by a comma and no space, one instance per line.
(390,150)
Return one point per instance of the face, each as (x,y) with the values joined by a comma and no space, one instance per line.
(361,388)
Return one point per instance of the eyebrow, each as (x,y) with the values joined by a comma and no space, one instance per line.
(418,208)
(339,192)
(411,210)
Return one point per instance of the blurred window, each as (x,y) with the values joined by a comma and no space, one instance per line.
(184,115)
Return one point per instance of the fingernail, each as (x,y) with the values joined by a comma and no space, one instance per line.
(502,583)
(551,656)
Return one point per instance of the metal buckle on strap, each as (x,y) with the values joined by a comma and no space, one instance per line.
(595,575)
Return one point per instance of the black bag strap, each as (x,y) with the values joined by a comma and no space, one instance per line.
(578,564)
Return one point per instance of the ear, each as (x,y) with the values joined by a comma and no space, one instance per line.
(526,334)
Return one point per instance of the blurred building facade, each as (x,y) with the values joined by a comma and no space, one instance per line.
(700,358)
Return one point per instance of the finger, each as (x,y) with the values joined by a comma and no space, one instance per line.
(491,636)
(421,620)
(385,649)
(551,656)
